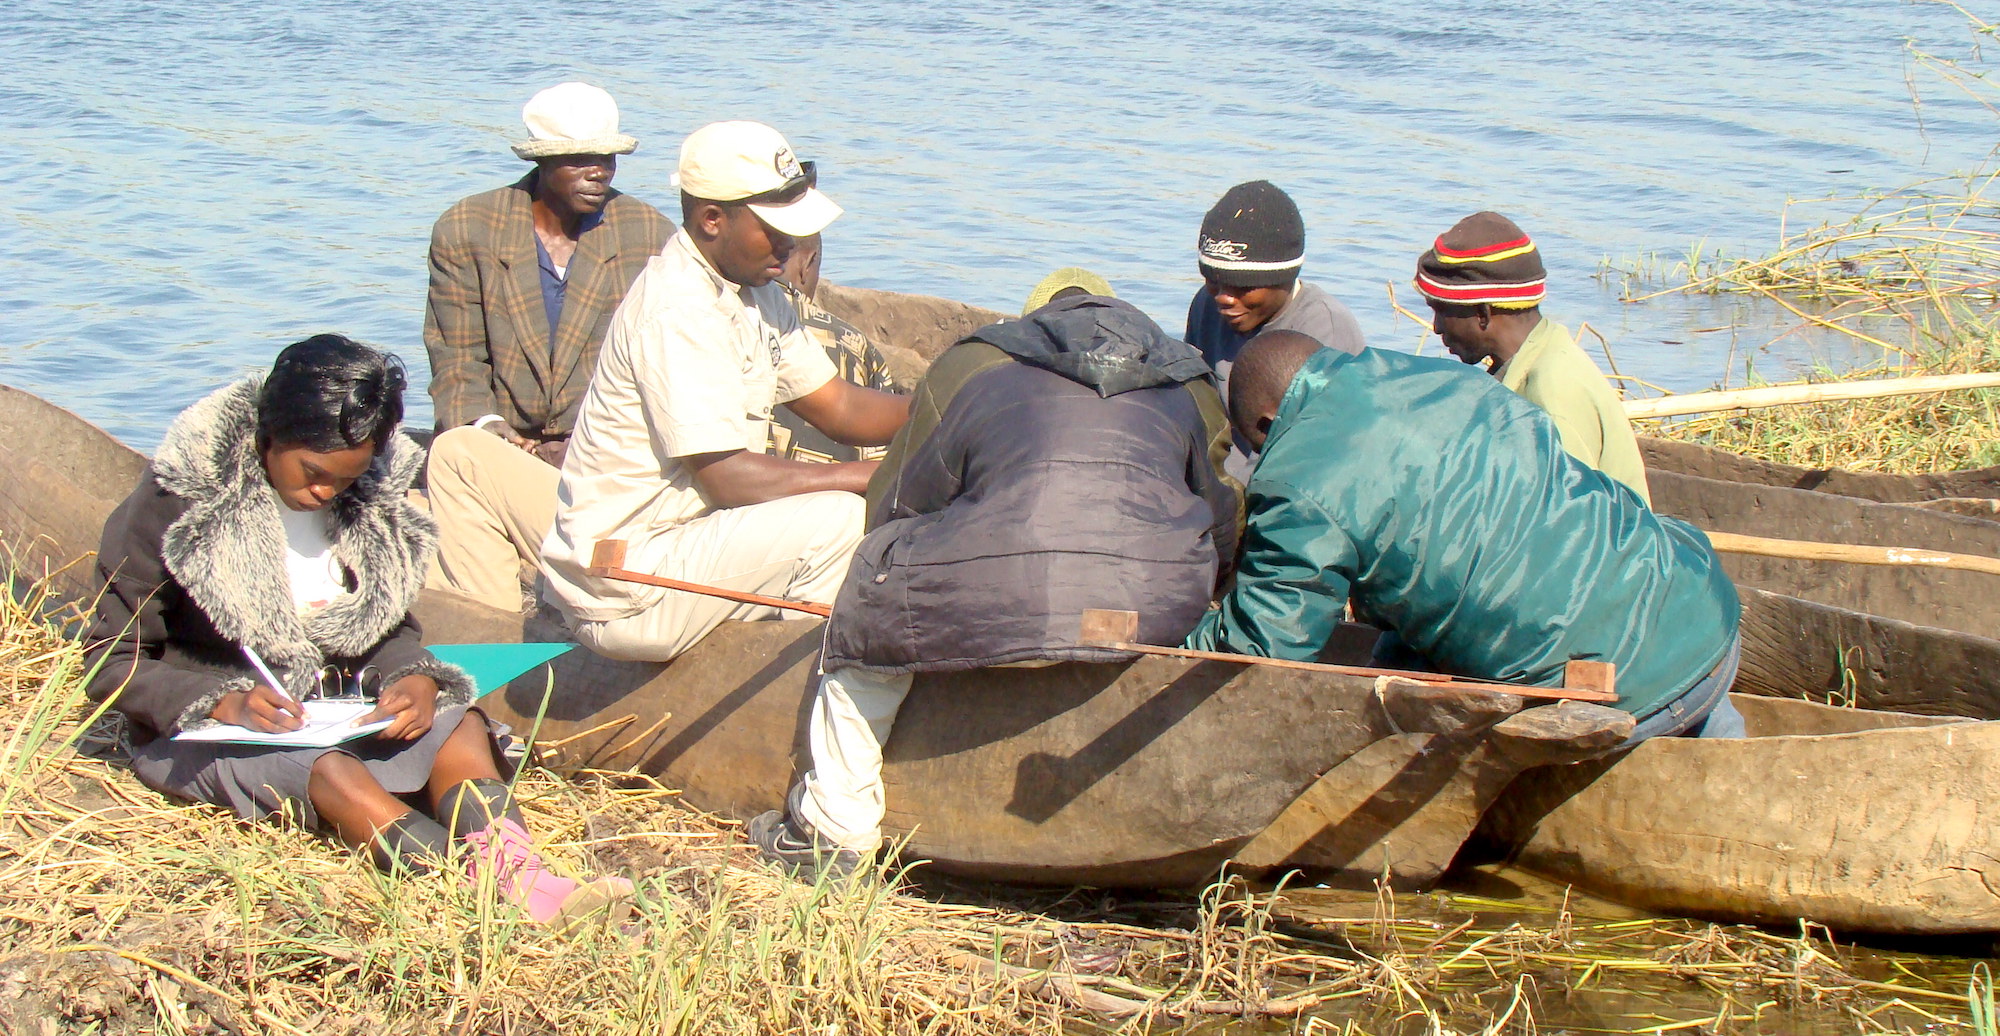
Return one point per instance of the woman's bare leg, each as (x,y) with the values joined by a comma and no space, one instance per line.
(467,755)
(349,798)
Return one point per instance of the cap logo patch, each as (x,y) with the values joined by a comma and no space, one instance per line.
(787,164)
(1216,248)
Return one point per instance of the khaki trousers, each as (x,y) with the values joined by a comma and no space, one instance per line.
(851,718)
(494,502)
(795,546)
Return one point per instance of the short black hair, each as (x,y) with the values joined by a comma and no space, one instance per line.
(1264,370)
(330,393)
(689,203)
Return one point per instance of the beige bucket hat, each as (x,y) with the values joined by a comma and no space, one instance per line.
(572,119)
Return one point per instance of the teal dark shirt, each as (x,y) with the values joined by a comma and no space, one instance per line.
(1446,508)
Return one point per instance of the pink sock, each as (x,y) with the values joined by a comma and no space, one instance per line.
(504,851)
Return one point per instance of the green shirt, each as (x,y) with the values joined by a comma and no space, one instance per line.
(1552,373)
(1445,507)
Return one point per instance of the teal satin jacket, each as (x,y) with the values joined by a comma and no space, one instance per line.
(1446,508)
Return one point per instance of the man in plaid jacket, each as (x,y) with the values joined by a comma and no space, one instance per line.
(523,282)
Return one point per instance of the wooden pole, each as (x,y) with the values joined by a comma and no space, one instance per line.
(1853,554)
(1824,392)
(607,561)
(1113,629)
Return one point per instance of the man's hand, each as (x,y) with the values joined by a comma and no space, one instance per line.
(261,709)
(499,426)
(412,701)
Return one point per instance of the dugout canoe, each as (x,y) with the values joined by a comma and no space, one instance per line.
(1151,773)
(1686,458)
(1861,821)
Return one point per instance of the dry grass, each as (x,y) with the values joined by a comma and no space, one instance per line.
(1942,431)
(121,912)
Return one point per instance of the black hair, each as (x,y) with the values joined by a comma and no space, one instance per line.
(330,393)
(689,203)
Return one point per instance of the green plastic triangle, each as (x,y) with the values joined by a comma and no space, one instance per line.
(494,664)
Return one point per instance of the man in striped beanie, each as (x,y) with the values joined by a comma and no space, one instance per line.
(1485,282)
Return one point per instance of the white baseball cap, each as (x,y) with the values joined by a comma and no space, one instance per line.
(734,161)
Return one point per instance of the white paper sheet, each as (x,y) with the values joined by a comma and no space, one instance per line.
(328,723)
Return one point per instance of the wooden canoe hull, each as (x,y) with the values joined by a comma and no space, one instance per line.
(923,324)
(1861,821)
(1686,458)
(60,477)
(1952,599)
(1147,774)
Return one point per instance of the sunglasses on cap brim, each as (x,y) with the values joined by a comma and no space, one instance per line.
(788,192)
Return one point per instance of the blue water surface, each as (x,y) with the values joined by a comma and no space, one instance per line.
(192,185)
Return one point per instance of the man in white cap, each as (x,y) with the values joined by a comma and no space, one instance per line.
(523,282)
(669,453)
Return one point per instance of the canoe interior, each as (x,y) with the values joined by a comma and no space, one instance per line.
(1952,599)
(1686,458)
(1862,821)
(1799,649)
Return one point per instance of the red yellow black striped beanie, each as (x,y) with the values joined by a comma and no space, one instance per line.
(1252,238)
(1486,259)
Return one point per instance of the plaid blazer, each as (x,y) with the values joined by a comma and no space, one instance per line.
(485,328)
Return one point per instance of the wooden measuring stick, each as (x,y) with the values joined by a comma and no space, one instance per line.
(1851,553)
(1104,627)
(607,561)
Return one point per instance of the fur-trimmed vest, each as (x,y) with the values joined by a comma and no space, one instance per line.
(193,564)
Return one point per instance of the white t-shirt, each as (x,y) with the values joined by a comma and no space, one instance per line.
(692,364)
(315,574)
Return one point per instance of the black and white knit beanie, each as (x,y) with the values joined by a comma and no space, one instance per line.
(1253,237)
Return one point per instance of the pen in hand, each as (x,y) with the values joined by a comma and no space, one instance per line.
(285,702)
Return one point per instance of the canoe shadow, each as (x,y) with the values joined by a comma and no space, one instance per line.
(1046,783)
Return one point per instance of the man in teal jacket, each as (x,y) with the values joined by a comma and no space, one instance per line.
(1446,508)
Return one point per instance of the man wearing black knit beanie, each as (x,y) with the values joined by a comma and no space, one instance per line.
(1252,244)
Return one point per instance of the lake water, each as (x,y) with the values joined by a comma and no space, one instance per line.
(192,185)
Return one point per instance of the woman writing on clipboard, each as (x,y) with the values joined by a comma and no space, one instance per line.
(272,532)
